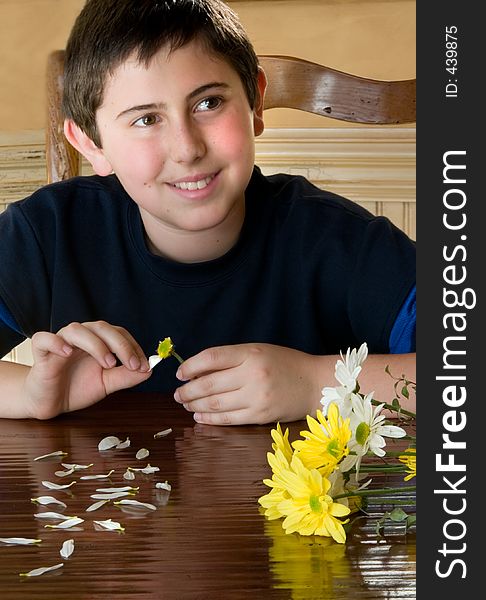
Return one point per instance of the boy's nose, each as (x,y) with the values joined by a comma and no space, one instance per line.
(187,143)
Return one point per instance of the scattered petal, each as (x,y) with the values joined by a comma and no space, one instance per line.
(163,433)
(41,571)
(126,488)
(129,475)
(109,442)
(64,473)
(67,548)
(56,486)
(85,477)
(142,453)
(111,496)
(76,467)
(163,486)
(123,445)
(110,525)
(52,515)
(51,455)
(96,505)
(147,470)
(20,541)
(137,503)
(45,500)
(72,522)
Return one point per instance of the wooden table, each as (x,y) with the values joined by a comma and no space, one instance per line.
(206,540)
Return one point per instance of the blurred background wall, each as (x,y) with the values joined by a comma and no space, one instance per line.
(371,38)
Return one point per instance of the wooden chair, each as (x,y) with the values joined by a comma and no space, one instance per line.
(292,83)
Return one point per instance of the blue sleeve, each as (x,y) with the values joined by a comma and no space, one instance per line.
(10,333)
(402,337)
(7,319)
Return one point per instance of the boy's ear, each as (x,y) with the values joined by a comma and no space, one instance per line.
(85,145)
(258,125)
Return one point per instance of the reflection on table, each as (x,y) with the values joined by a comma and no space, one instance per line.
(206,540)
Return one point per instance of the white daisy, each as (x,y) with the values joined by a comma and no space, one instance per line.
(368,431)
(346,373)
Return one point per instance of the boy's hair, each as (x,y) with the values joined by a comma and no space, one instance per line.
(106,32)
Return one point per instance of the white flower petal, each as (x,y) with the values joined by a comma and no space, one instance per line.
(106,476)
(123,445)
(45,500)
(51,455)
(146,470)
(111,496)
(137,504)
(129,475)
(67,548)
(41,570)
(108,442)
(56,486)
(391,431)
(163,433)
(72,522)
(142,453)
(126,488)
(110,525)
(154,360)
(64,473)
(51,515)
(75,466)
(20,541)
(96,505)
(163,486)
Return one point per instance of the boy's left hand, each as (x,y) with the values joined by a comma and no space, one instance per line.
(250,383)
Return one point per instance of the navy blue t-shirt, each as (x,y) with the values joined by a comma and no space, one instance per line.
(311,271)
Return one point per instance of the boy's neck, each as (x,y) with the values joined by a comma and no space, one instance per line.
(193,246)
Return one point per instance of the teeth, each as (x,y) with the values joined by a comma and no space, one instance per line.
(194,185)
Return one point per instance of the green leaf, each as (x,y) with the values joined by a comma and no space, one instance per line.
(398,515)
(405,393)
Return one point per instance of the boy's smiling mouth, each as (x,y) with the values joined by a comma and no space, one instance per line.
(198,184)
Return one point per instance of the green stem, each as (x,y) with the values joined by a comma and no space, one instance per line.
(399,411)
(175,355)
(377,492)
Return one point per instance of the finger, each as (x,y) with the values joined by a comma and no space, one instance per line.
(44,343)
(121,378)
(102,340)
(237,417)
(211,359)
(208,385)
(122,343)
(216,404)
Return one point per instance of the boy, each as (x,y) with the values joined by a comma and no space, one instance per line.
(259,281)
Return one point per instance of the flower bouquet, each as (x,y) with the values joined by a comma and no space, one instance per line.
(320,480)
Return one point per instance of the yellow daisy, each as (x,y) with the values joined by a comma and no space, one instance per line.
(165,348)
(309,509)
(326,443)
(281,440)
(410,460)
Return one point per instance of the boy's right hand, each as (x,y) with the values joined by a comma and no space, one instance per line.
(76,367)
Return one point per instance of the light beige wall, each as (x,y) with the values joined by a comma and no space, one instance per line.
(370,38)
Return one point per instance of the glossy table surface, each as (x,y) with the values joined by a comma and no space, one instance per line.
(206,540)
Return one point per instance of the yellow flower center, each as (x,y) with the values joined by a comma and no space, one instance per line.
(333,448)
(315,504)
(362,433)
(165,348)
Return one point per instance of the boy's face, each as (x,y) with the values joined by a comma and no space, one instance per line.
(180,137)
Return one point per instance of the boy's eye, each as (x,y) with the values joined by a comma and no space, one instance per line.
(210,103)
(146,121)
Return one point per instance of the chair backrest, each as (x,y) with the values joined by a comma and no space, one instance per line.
(292,83)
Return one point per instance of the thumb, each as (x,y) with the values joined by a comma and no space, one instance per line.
(120,378)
